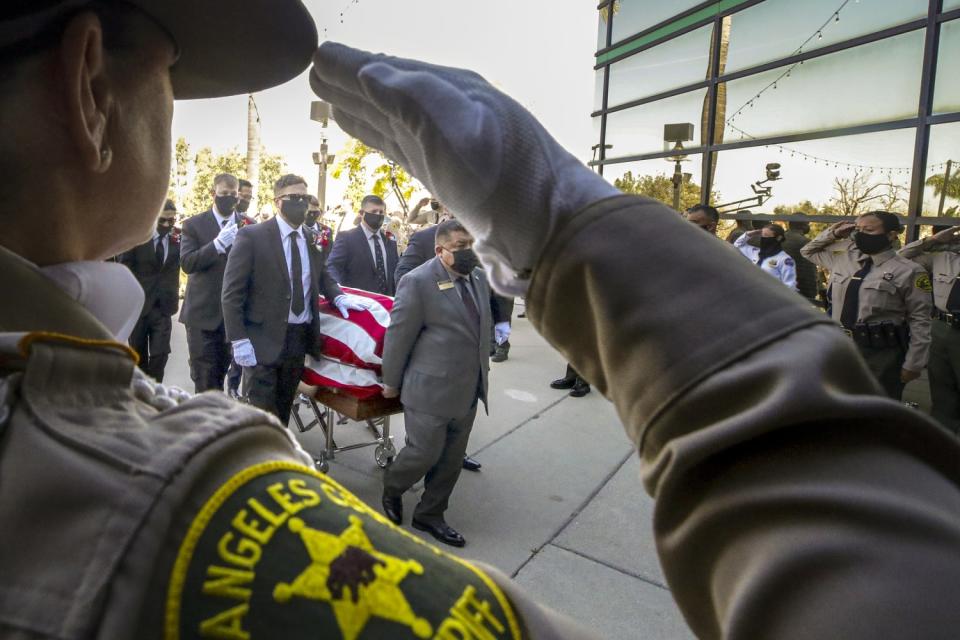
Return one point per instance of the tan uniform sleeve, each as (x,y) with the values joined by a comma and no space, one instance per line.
(919,301)
(816,251)
(791,502)
(915,251)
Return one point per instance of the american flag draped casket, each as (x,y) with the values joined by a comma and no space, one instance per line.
(352,347)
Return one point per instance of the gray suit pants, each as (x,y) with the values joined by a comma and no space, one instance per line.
(434,451)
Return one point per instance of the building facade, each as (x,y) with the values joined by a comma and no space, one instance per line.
(821,109)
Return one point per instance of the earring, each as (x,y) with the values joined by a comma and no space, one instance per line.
(106,153)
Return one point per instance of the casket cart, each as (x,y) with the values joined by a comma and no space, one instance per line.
(345,379)
(375,412)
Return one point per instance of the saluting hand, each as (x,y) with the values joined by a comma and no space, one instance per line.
(945,237)
(842,229)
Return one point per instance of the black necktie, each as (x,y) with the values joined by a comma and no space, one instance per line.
(468,302)
(159,250)
(851,301)
(223,223)
(381,270)
(296,275)
(953,300)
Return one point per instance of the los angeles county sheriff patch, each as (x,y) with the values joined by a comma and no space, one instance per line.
(283,551)
(923,283)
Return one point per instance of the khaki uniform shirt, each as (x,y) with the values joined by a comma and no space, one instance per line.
(895,290)
(129,510)
(943,264)
(793,500)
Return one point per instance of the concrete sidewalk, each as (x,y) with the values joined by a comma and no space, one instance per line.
(558,505)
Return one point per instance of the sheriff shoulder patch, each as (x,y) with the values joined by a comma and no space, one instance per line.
(282,550)
(923,283)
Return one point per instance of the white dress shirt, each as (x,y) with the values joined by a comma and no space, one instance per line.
(285,231)
(221,219)
(373,252)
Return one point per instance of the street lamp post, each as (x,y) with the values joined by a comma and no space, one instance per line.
(321,112)
(677,134)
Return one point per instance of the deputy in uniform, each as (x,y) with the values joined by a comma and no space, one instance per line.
(940,256)
(764,248)
(881,299)
(783,484)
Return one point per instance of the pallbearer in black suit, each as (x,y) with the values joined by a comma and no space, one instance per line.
(273,278)
(156,265)
(364,257)
(206,240)
(322,234)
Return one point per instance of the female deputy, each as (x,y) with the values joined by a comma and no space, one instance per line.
(764,247)
(881,299)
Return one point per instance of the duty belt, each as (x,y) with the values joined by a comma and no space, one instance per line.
(880,335)
(952,319)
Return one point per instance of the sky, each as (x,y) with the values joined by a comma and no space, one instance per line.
(541,52)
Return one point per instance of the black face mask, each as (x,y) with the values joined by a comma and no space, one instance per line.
(225,204)
(435,205)
(765,245)
(871,243)
(242,205)
(312,217)
(465,261)
(373,220)
(295,211)
(163,229)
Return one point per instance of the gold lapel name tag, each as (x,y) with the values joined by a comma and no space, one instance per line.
(444,285)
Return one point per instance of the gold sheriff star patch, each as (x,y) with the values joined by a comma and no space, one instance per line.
(282,551)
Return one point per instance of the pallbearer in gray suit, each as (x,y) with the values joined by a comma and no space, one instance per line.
(435,356)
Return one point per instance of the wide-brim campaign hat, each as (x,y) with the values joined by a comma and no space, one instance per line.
(225,47)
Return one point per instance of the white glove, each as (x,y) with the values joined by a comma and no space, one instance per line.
(501,332)
(243,353)
(226,237)
(476,149)
(346,302)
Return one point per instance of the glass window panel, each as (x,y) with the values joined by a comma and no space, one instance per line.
(778,28)
(654,179)
(602,29)
(944,147)
(640,129)
(946,91)
(598,90)
(871,83)
(681,61)
(950,4)
(630,17)
(835,176)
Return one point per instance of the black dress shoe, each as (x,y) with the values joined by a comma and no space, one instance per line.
(580,389)
(470,464)
(393,508)
(441,531)
(564,383)
(501,352)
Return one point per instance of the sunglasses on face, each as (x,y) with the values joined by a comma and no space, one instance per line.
(295,197)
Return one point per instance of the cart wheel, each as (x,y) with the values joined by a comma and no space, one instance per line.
(321,464)
(384,455)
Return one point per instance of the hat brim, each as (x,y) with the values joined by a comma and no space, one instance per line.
(228,47)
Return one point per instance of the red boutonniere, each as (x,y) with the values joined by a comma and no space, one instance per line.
(175,235)
(388,235)
(322,239)
(244,221)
